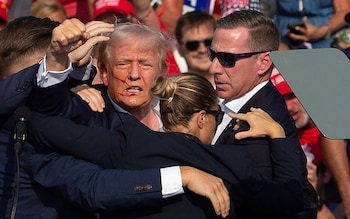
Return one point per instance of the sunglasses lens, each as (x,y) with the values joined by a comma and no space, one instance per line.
(219,117)
(192,45)
(207,42)
(226,60)
(211,54)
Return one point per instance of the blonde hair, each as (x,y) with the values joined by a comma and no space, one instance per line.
(182,95)
(124,32)
(43,8)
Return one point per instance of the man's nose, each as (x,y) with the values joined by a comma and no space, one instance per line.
(134,72)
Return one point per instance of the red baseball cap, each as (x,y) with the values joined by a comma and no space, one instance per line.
(281,84)
(123,7)
(4,8)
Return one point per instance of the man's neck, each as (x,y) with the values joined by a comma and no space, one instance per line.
(147,116)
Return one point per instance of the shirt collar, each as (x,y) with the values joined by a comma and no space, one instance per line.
(155,111)
(236,104)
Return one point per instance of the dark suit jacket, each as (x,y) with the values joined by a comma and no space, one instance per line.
(15,91)
(34,201)
(271,101)
(44,193)
(69,105)
(134,146)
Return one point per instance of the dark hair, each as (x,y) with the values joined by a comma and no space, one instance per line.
(181,95)
(264,34)
(24,37)
(192,20)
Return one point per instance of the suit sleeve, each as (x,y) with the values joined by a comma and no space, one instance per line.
(58,100)
(15,90)
(65,136)
(90,186)
(279,196)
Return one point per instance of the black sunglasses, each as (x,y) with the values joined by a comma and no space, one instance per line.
(193,45)
(227,59)
(219,115)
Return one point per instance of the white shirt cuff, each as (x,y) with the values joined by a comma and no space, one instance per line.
(48,78)
(171,181)
(82,73)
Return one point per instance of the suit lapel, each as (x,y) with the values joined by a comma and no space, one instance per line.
(227,136)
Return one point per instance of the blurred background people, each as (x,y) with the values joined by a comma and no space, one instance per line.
(169,12)
(194,32)
(229,6)
(308,133)
(328,155)
(81,9)
(50,9)
(4,7)
(336,154)
(316,22)
(113,11)
(147,15)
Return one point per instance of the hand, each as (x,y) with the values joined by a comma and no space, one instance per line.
(69,36)
(312,174)
(90,95)
(207,185)
(66,37)
(261,124)
(97,31)
(309,33)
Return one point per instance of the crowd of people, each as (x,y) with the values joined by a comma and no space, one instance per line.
(137,109)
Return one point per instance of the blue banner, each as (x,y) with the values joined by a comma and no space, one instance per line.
(199,5)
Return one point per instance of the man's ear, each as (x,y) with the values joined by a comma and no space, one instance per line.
(265,63)
(103,72)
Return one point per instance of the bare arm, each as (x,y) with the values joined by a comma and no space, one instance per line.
(171,13)
(334,152)
(145,13)
(90,5)
(313,33)
(341,8)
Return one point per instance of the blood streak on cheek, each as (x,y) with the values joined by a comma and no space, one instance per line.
(127,85)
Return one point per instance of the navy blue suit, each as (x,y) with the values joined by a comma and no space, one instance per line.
(271,101)
(15,91)
(87,185)
(134,146)
(68,103)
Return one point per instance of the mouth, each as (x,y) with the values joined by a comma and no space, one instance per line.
(134,90)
